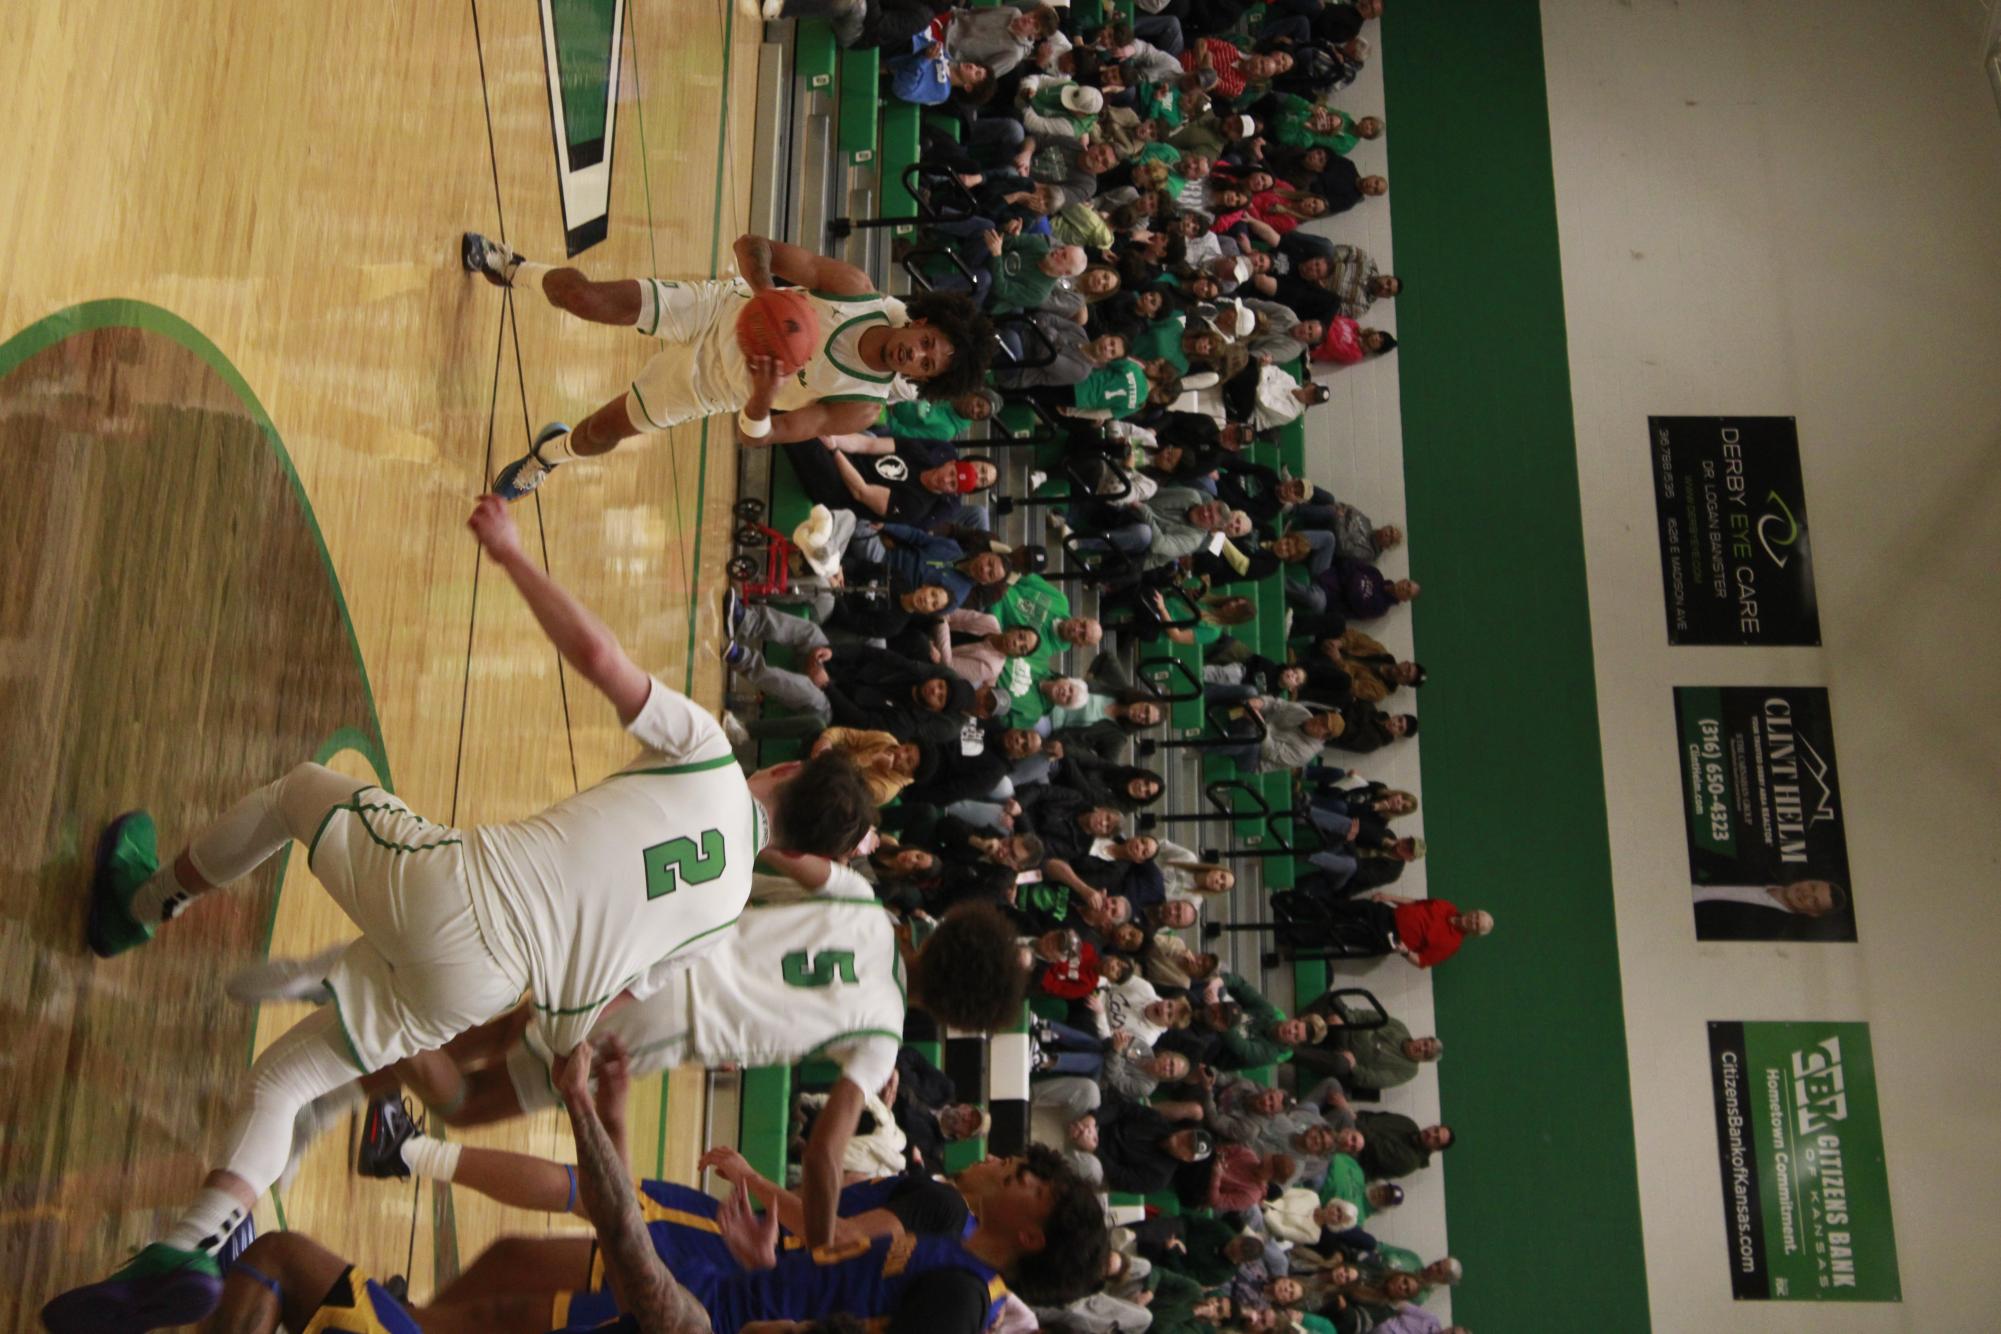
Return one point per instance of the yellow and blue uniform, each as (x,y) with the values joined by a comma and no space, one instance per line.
(357,1304)
(866,1279)
(682,1224)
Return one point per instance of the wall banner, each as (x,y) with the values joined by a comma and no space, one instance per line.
(1761,803)
(1735,558)
(1806,1194)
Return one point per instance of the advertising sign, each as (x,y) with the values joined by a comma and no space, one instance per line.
(1735,557)
(1806,1194)
(1761,803)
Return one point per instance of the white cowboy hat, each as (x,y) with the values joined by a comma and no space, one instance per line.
(823,537)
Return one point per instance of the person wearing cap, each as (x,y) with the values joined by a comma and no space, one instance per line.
(1211,134)
(1272,396)
(933,419)
(1053,108)
(880,477)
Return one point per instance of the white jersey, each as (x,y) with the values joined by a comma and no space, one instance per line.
(820,977)
(836,373)
(653,862)
(701,370)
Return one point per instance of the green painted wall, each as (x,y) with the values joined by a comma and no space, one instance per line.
(1541,1199)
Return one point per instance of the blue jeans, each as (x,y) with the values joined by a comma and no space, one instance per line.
(1071,1051)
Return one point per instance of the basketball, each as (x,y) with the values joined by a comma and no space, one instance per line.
(779,323)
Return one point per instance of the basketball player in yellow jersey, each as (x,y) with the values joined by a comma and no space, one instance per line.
(572,903)
(873,349)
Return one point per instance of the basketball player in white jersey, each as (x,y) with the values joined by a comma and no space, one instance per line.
(828,974)
(573,904)
(873,349)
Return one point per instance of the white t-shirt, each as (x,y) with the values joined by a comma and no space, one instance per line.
(819,977)
(1125,1008)
(1755,895)
(652,862)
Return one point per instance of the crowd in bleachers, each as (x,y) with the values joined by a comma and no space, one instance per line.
(1123,197)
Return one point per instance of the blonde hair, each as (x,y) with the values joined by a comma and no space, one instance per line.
(1196,870)
(1230,609)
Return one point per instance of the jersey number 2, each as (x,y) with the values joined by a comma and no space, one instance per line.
(676,862)
(821,969)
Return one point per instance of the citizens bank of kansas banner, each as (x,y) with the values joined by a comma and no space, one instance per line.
(1761,802)
(1734,552)
(1806,1195)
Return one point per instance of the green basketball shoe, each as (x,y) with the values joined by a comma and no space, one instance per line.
(127,856)
(160,1287)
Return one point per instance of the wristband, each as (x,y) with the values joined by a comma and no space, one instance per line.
(753,428)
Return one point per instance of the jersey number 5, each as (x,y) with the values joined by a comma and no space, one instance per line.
(824,966)
(676,862)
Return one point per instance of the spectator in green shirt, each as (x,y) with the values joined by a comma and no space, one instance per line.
(1116,390)
(1266,1036)
(931,419)
(1026,268)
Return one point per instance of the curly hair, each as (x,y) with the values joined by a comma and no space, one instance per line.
(958,321)
(1076,1241)
(969,975)
(826,808)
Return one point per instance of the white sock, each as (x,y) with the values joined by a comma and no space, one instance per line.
(558,450)
(161,896)
(432,1158)
(529,276)
(207,1223)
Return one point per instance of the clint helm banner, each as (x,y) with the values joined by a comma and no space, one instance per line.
(1735,557)
(1761,803)
(1806,1195)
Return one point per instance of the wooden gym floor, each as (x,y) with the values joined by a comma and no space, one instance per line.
(248,399)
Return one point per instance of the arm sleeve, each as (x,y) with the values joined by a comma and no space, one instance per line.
(930,1208)
(944,1301)
(675,726)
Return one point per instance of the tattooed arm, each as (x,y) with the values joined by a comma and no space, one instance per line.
(644,1287)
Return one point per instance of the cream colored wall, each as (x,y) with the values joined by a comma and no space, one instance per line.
(1789,208)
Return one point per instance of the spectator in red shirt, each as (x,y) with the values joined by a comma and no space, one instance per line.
(1232,68)
(1429,931)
